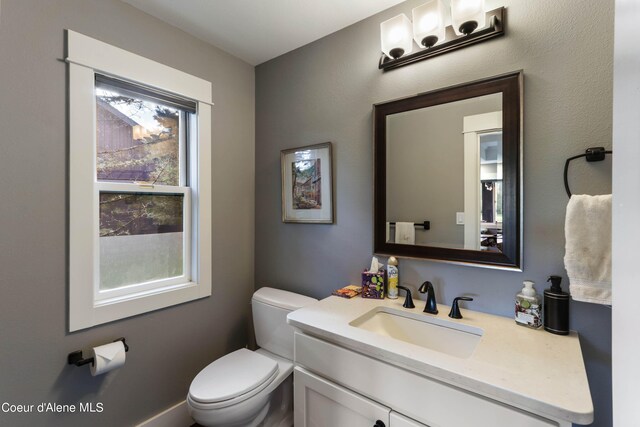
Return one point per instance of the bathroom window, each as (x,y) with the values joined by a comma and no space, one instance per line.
(139,184)
(143,190)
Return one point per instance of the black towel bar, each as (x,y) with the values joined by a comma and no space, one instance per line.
(593,154)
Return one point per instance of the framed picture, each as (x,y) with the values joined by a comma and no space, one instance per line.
(307,184)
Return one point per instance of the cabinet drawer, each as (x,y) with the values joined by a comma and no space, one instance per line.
(423,399)
(320,403)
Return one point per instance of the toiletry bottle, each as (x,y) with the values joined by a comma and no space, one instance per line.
(392,278)
(528,306)
(556,308)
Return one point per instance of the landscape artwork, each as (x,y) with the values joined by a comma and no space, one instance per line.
(307,184)
(306,188)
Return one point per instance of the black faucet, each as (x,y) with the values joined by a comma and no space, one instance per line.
(431,307)
(408,301)
(455,310)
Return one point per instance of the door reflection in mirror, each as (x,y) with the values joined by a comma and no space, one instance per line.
(483,165)
(491,190)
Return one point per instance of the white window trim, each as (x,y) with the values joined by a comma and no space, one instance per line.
(87,56)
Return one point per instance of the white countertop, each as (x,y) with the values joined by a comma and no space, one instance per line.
(531,369)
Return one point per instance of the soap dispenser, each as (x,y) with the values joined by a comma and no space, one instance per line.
(556,308)
(528,306)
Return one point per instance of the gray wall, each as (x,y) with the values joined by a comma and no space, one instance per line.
(325,91)
(170,346)
(425,168)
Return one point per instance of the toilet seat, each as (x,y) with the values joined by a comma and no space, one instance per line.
(232,379)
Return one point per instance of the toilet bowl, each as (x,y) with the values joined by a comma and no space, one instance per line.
(252,388)
(218,398)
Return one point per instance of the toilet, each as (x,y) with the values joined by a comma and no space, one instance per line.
(252,388)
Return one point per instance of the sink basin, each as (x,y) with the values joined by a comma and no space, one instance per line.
(452,338)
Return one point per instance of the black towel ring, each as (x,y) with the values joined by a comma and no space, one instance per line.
(594,154)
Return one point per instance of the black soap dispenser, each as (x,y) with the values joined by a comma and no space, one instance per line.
(556,308)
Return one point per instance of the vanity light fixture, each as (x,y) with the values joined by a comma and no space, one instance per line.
(469,26)
(467,15)
(395,36)
(428,23)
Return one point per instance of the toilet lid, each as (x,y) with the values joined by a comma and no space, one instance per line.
(232,375)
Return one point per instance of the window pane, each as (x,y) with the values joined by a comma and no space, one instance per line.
(138,140)
(141,238)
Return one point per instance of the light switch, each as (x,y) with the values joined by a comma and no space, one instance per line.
(460,218)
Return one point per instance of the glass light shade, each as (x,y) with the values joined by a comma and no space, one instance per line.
(395,36)
(467,15)
(428,23)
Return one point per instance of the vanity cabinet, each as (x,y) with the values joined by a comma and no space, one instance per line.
(335,386)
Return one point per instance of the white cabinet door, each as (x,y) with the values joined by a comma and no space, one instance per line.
(397,420)
(320,403)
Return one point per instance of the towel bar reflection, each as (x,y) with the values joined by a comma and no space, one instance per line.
(593,154)
(424,224)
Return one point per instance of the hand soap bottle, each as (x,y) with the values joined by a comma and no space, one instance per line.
(392,278)
(556,308)
(528,310)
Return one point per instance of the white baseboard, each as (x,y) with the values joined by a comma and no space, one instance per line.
(175,416)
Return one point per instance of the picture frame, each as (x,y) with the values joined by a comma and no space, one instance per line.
(307,184)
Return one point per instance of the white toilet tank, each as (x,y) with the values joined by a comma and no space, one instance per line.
(270,308)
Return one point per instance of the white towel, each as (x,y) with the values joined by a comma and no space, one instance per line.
(405,233)
(588,248)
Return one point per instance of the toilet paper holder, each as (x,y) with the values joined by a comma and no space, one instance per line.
(75,357)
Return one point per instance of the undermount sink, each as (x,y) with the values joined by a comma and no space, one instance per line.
(455,339)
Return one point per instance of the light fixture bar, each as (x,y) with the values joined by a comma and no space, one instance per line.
(496,20)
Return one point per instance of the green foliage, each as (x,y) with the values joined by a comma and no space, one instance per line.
(124,214)
(154,159)
(168,119)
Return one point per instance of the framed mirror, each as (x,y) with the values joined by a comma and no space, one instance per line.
(448,174)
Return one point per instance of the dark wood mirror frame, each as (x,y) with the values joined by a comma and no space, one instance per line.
(511,87)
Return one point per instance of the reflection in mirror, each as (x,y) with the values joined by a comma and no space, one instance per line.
(490,145)
(427,150)
(450,159)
